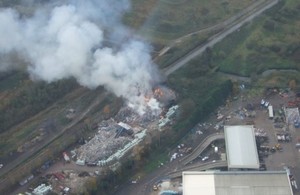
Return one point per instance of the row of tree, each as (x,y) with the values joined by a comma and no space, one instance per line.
(33,99)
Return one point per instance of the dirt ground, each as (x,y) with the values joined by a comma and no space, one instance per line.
(289,156)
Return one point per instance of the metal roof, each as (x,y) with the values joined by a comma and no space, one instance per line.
(236,183)
(124,125)
(241,147)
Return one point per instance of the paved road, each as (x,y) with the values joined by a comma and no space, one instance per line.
(217,38)
(146,183)
(172,169)
(201,147)
(216,27)
(198,167)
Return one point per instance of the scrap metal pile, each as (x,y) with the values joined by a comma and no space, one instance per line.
(129,116)
(103,144)
(115,133)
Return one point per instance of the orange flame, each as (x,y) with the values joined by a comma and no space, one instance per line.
(158,92)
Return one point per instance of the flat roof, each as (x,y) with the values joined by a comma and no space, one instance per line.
(236,183)
(124,125)
(241,147)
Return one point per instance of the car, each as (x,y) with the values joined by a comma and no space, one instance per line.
(262,167)
(267,104)
(204,158)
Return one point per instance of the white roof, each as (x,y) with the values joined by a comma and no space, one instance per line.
(124,125)
(236,183)
(241,147)
(270,108)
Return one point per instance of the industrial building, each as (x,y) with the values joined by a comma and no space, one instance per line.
(236,183)
(241,150)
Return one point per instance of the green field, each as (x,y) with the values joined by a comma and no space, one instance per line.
(271,41)
(169,19)
(180,49)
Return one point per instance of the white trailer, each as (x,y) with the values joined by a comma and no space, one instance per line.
(271,112)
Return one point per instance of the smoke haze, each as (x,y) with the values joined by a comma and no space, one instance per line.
(66,40)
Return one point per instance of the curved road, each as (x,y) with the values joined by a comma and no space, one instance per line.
(198,167)
(174,169)
(201,147)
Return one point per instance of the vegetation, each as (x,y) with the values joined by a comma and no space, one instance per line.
(269,42)
(67,138)
(46,123)
(6,3)
(180,49)
(169,19)
(32,100)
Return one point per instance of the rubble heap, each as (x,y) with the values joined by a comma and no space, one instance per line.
(103,144)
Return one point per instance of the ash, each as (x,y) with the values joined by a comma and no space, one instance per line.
(115,133)
(129,116)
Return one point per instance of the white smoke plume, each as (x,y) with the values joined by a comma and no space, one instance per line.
(69,39)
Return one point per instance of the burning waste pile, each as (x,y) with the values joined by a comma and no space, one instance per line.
(121,131)
(77,39)
(86,40)
(154,105)
(103,144)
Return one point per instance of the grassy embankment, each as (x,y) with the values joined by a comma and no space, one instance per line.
(200,90)
(70,136)
(162,22)
(21,100)
(167,20)
(271,41)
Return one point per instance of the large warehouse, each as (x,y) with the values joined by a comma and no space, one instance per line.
(241,150)
(236,183)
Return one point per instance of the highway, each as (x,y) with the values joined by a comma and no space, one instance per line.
(218,37)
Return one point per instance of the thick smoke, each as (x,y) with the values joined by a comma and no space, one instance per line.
(71,39)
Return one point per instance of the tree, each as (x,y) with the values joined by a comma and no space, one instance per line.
(292,84)
(91,184)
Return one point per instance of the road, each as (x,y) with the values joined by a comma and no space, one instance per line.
(183,61)
(199,167)
(217,38)
(215,27)
(144,186)
(29,154)
(172,169)
(201,147)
